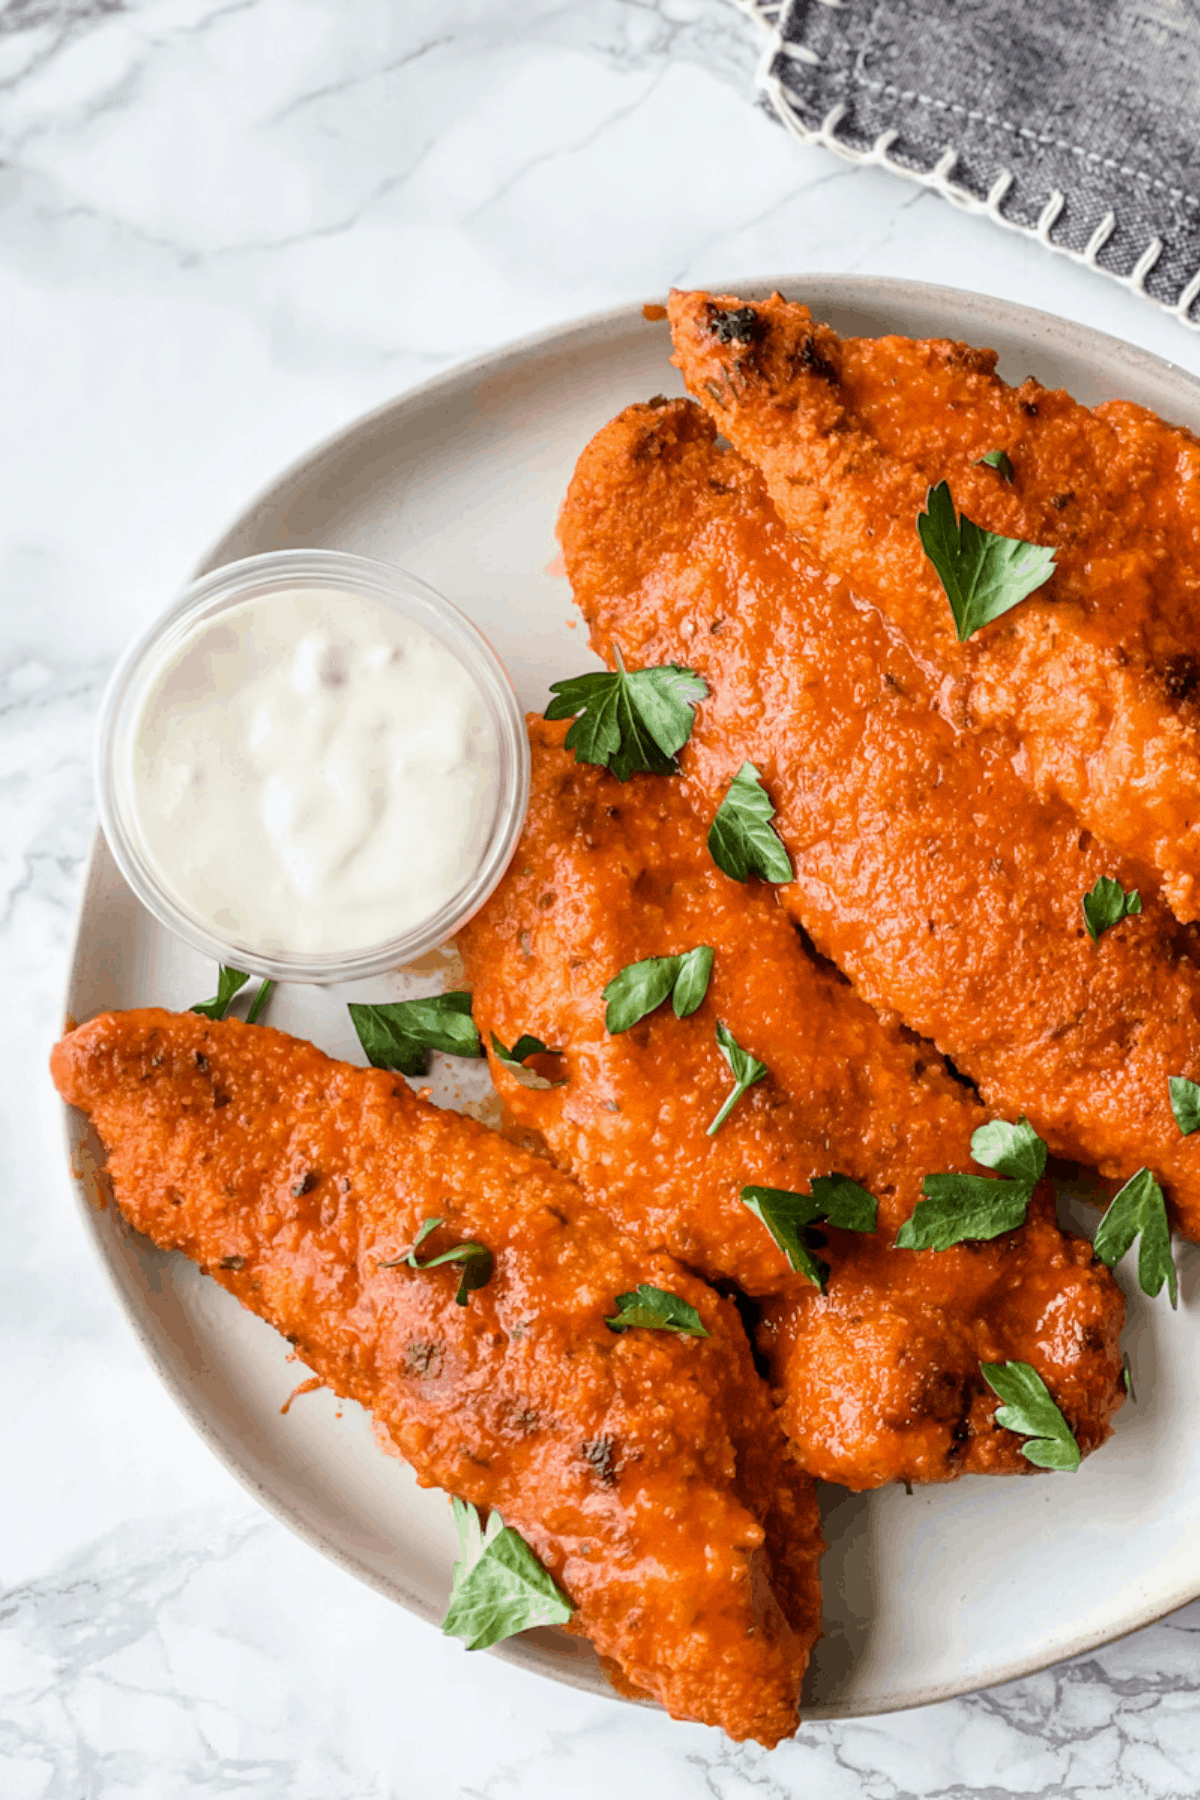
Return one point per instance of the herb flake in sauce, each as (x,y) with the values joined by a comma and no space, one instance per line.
(1107,905)
(835,1200)
(741,840)
(959,1209)
(1185,1103)
(746,1070)
(524,1047)
(1029,1410)
(984,575)
(998,460)
(641,987)
(514,1060)
(629,721)
(654,1309)
(476,1259)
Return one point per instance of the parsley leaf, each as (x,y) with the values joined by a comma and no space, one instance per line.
(476,1260)
(499,1585)
(638,990)
(844,1204)
(746,1070)
(629,721)
(525,1046)
(958,1209)
(741,840)
(998,460)
(787,1216)
(835,1200)
(1029,1410)
(691,984)
(1185,1103)
(229,982)
(1140,1208)
(641,987)
(1013,1150)
(399,1035)
(514,1059)
(259,1001)
(655,1309)
(1107,905)
(983,574)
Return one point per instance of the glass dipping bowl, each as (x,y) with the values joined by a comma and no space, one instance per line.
(231,586)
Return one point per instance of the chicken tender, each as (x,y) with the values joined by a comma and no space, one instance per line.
(879,1379)
(925,867)
(645,1468)
(1098,673)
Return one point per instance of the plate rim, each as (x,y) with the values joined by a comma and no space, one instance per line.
(827,289)
(851,287)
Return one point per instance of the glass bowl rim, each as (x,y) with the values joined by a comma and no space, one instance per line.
(218,591)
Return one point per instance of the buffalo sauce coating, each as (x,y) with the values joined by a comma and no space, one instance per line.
(1097,673)
(880,1379)
(646,1469)
(925,867)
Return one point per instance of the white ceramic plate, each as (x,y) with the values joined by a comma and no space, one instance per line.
(926,1596)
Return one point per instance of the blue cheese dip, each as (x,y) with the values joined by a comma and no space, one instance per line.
(309,772)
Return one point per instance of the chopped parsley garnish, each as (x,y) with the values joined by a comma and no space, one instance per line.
(998,460)
(229,983)
(1140,1209)
(1013,1150)
(476,1260)
(746,1070)
(515,1060)
(1107,905)
(835,1200)
(401,1033)
(499,1586)
(259,1001)
(641,987)
(1185,1103)
(629,721)
(654,1309)
(741,839)
(844,1204)
(524,1047)
(983,575)
(1029,1410)
(958,1209)
(1127,1376)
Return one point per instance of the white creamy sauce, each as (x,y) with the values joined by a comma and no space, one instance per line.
(313,773)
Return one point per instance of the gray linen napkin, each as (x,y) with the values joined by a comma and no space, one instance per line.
(1075,120)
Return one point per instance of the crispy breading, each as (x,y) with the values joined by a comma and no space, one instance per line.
(879,1379)
(926,869)
(687,1542)
(1098,673)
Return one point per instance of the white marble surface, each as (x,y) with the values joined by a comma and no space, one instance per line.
(226,227)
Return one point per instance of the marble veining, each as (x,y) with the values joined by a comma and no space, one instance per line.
(227,227)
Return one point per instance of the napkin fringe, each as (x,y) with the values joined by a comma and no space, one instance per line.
(767,15)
